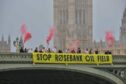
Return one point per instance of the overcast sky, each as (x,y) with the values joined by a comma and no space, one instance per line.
(38,16)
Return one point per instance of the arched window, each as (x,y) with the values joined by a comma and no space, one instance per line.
(80,11)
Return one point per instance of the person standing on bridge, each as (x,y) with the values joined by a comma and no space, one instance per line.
(90,51)
(78,50)
(49,50)
(67,50)
(60,51)
(36,49)
(54,49)
(96,51)
(108,52)
(21,50)
(73,51)
(25,50)
(86,51)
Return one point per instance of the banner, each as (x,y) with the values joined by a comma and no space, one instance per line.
(68,58)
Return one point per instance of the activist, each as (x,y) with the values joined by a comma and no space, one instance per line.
(40,50)
(36,49)
(86,51)
(73,51)
(44,49)
(49,50)
(54,50)
(67,51)
(90,51)
(25,50)
(21,50)
(96,51)
(108,52)
(60,51)
(78,50)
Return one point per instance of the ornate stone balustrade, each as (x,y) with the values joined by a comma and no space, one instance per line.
(15,58)
(119,59)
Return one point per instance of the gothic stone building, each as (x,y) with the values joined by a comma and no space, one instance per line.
(5,46)
(123,31)
(119,46)
(73,20)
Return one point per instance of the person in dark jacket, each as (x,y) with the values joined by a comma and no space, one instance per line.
(21,50)
(78,50)
(90,51)
(36,49)
(60,51)
(108,52)
(25,50)
(73,51)
(49,50)
(96,51)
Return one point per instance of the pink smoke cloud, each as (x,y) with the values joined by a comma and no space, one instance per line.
(51,34)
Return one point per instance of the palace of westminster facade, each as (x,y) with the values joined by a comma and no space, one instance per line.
(5,46)
(73,20)
(119,47)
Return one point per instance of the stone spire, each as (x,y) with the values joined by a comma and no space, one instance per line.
(124,15)
(123,30)
(2,38)
(21,42)
(9,40)
(94,43)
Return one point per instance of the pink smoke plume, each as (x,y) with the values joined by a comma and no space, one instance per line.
(109,39)
(74,44)
(27,36)
(23,29)
(51,34)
